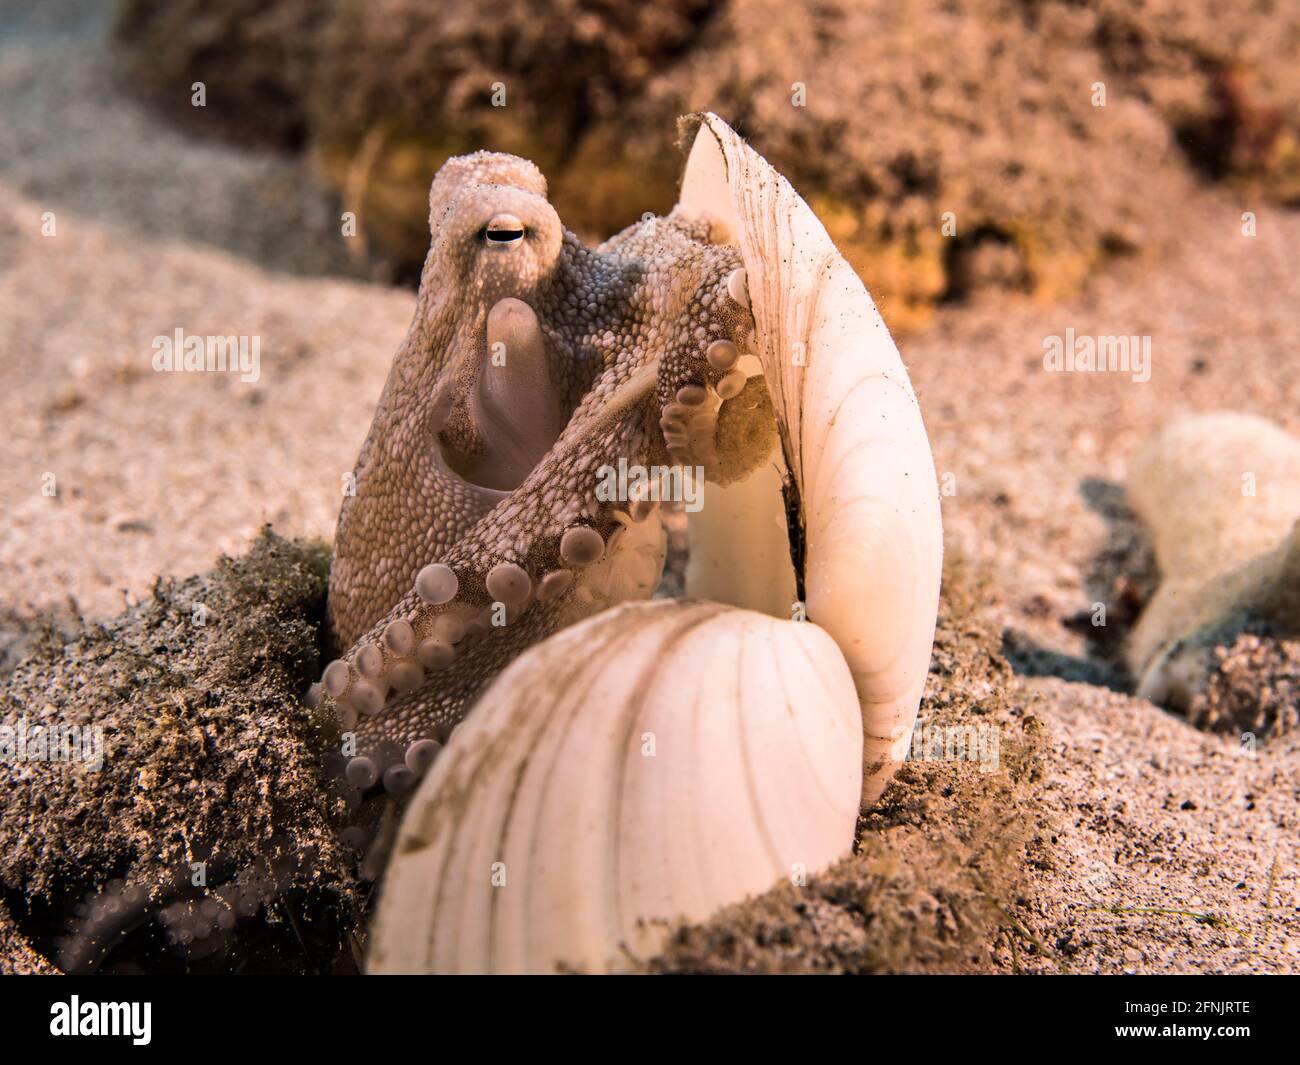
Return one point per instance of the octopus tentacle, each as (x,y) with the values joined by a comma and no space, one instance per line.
(196,922)
(481,520)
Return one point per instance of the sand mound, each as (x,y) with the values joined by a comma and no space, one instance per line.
(207,754)
(196,691)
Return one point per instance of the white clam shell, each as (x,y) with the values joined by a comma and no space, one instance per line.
(648,764)
(852,435)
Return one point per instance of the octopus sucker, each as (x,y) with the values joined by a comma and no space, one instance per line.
(722,355)
(436,584)
(399,637)
(581,546)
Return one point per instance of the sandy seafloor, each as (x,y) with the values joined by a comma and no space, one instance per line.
(1150,824)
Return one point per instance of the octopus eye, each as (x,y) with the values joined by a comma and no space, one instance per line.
(504,231)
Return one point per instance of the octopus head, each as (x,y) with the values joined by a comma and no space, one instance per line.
(493,229)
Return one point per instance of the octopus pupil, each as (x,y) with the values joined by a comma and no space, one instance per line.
(503,236)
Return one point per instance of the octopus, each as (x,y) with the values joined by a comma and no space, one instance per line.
(478,520)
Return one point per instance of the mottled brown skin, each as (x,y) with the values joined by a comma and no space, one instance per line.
(597,354)
(409,508)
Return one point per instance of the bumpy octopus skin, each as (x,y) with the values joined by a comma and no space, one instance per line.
(476,528)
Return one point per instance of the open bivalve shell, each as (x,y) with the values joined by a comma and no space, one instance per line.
(661,760)
(852,439)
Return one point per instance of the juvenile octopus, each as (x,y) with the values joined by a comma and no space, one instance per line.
(477,525)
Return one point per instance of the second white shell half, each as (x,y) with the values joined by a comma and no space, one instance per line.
(852,437)
(642,766)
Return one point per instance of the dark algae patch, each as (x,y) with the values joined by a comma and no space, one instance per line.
(208,832)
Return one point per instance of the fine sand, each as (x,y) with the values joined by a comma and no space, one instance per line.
(1148,845)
